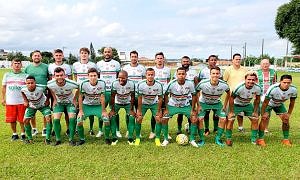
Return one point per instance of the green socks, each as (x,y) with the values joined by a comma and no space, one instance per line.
(165,128)
(201,134)
(228,133)
(80,132)
(158,127)
(130,126)
(138,128)
(254,135)
(48,130)
(72,126)
(261,134)
(57,129)
(193,132)
(28,131)
(92,119)
(220,133)
(106,131)
(285,134)
(113,127)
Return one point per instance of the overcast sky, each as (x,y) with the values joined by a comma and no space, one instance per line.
(176,27)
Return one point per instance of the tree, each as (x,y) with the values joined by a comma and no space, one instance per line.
(287,23)
(47,57)
(72,59)
(93,53)
(19,55)
(115,54)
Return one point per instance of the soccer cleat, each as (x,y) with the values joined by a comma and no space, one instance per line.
(44,132)
(47,142)
(114,141)
(67,132)
(28,141)
(81,142)
(57,143)
(34,132)
(14,137)
(253,142)
(286,142)
(151,135)
(241,129)
(169,137)
(72,143)
(165,143)
(219,142)
(178,132)
(137,141)
(107,141)
(130,141)
(23,137)
(91,132)
(119,135)
(206,132)
(99,134)
(261,142)
(157,142)
(201,143)
(193,143)
(229,142)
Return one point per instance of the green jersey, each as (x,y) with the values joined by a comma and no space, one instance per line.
(40,73)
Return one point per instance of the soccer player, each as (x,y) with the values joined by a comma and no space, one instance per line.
(266,77)
(58,56)
(191,75)
(39,71)
(234,75)
(205,74)
(240,101)
(122,96)
(12,84)
(91,102)
(162,75)
(179,90)
(275,97)
(150,96)
(136,73)
(63,98)
(80,70)
(211,90)
(35,99)
(109,69)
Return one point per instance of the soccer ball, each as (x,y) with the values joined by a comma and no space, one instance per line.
(182,139)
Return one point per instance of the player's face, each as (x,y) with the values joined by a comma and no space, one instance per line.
(150,76)
(181,74)
(16,66)
(84,55)
(159,60)
(185,63)
(212,62)
(214,74)
(58,57)
(122,78)
(93,77)
(134,58)
(30,83)
(60,76)
(107,53)
(236,60)
(250,81)
(36,57)
(285,84)
(265,65)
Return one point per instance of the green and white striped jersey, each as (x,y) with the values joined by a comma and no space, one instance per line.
(123,93)
(64,94)
(37,97)
(278,96)
(211,94)
(243,96)
(92,93)
(149,93)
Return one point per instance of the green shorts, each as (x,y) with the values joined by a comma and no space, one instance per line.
(153,109)
(107,98)
(278,110)
(60,108)
(30,112)
(124,106)
(248,109)
(92,110)
(217,108)
(186,110)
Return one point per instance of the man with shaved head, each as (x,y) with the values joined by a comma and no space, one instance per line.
(266,77)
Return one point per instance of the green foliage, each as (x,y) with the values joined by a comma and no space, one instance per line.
(287,23)
(47,57)
(93,53)
(71,59)
(115,55)
(19,55)
(252,60)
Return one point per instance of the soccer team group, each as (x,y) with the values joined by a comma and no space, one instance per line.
(136,89)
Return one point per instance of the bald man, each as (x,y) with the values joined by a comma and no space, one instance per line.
(266,77)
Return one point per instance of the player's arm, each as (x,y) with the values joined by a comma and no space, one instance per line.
(196,80)
(139,109)
(80,105)
(54,97)
(194,101)
(264,106)
(26,102)
(256,103)
(159,105)
(74,100)
(112,102)
(291,105)
(231,104)
(3,95)
(166,99)
(48,96)
(132,94)
(226,100)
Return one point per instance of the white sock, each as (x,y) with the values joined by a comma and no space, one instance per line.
(22,133)
(241,127)
(15,133)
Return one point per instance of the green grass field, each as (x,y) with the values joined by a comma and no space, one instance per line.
(97,160)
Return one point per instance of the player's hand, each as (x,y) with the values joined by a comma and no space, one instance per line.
(75,102)
(230,115)
(166,113)
(159,114)
(255,115)
(132,113)
(80,114)
(26,104)
(199,109)
(111,113)
(54,103)
(3,102)
(265,116)
(104,114)
(47,103)
(138,113)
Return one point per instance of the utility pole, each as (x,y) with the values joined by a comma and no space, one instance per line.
(245,53)
(286,54)
(230,52)
(262,48)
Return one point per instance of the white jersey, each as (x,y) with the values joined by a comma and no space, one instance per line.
(66,67)
(14,82)
(149,93)
(64,94)
(108,71)
(278,96)
(211,94)
(123,93)
(37,97)
(136,74)
(205,73)
(179,93)
(243,96)
(92,93)
(81,70)
(191,74)
(163,75)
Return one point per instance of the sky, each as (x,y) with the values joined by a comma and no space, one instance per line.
(176,27)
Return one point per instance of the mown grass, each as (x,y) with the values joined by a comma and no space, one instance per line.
(97,160)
